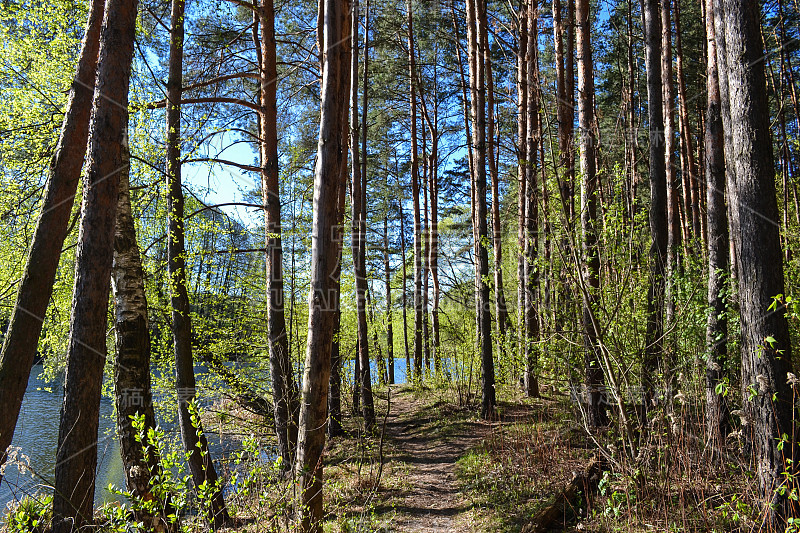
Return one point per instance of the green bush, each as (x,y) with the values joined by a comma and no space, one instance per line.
(31,514)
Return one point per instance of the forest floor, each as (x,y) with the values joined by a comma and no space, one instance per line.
(446,470)
(432,465)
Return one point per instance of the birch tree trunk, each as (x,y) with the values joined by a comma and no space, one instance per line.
(132,386)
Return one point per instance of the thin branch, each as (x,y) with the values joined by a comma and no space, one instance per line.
(220,79)
(215,100)
(240,251)
(249,168)
(240,204)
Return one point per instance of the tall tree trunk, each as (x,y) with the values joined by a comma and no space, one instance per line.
(468,109)
(406,351)
(722,74)
(476,27)
(522,148)
(787,89)
(36,286)
(412,73)
(785,159)
(132,388)
(472,62)
(426,243)
(565,113)
(766,348)
(686,132)
(591,257)
(653,352)
(388,279)
(284,389)
(569,67)
(329,188)
(547,264)
(531,208)
(433,250)
(335,428)
(673,184)
(717,324)
(796,106)
(76,458)
(194,440)
(357,379)
(359,244)
(467,106)
(562,106)
(380,361)
(335,379)
(501,311)
(463,85)
(673,192)
(632,138)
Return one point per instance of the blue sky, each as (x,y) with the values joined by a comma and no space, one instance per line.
(219,184)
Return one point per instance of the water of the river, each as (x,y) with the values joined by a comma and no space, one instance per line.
(37,436)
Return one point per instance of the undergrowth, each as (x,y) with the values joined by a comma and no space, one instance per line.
(530,452)
(673,484)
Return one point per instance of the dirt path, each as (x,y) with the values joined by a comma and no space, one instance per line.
(430,449)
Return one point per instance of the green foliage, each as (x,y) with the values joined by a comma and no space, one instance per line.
(34,82)
(735,510)
(32,514)
(169,494)
(617,498)
(34,79)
